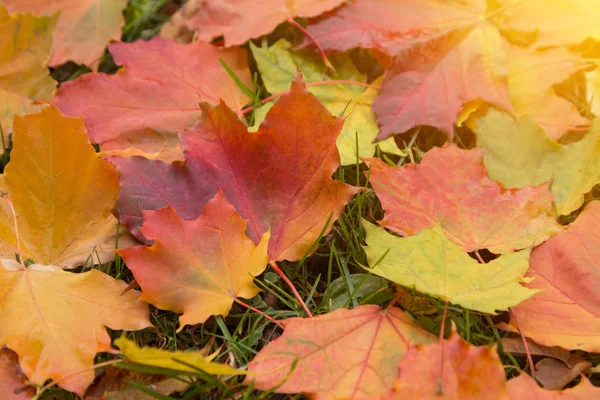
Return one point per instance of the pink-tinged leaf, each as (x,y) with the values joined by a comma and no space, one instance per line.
(566,312)
(469,373)
(153,184)
(342,354)
(446,53)
(525,387)
(197,267)
(13,384)
(156,94)
(451,187)
(240,20)
(278,177)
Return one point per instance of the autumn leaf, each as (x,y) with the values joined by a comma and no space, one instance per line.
(196,267)
(515,346)
(84,27)
(35,305)
(525,387)
(146,103)
(240,20)
(469,373)
(531,76)
(174,360)
(451,187)
(342,354)
(555,22)
(554,374)
(278,66)
(518,153)
(434,265)
(289,161)
(24,52)
(13,384)
(62,193)
(446,53)
(565,268)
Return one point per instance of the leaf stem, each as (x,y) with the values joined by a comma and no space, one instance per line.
(328,65)
(276,268)
(440,385)
(527,352)
(256,310)
(396,298)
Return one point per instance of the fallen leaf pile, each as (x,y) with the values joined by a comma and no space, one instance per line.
(444,153)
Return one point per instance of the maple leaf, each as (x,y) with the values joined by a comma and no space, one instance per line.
(62,193)
(555,22)
(288,161)
(451,187)
(36,301)
(525,387)
(278,67)
(446,53)
(174,359)
(12,379)
(24,51)
(196,267)
(531,76)
(84,27)
(145,104)
(342,354)
(518,153)
(565,268)
(434,265)
(240,20)
(469,372)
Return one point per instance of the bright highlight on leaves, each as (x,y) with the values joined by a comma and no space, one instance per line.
(342,354)
(517,153)
(469,373)
(197,267)
(25,46)
(169,359)
(278,67)
(146,103)
(84,28)
(434,265)
(55,320)
(451,187)
(240,20)
(566,312)
(62,192)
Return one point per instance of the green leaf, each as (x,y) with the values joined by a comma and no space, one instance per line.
(363,286)
(434,265)
(518,153)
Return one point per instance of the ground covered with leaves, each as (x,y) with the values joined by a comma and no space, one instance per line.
(243,199)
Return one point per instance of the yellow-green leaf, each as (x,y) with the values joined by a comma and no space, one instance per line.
(434,265)
(518,153)
(24,53)
(278,65)
(169,359)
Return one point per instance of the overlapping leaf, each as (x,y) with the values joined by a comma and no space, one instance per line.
(342,354)
(197,267)
(434,265)
(525,387)
(62,193)
(145,104)
(446,53)
(278,66)
(25,46)
(84,27)
(469,373)
(567,311)
(240,20)
(55,320)
(13,384)
(451,187)
(518,153)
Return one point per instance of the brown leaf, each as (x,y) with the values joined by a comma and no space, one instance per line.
(515,346)
(556,375)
